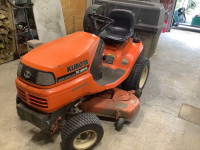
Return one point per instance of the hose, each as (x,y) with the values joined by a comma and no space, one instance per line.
(28,25)
(20,7)
(25,15)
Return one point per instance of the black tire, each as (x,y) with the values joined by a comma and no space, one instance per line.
(138,93)
(18,100)
(119,124)
(79,124)
(133,80)
(173,22)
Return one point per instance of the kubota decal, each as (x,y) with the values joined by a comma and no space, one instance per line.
(77,66)
(70,75)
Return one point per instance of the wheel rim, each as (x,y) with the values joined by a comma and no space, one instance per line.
(143,77)
(83,144)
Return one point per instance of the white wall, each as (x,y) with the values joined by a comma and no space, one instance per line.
(156,1)
(89,3)
(49,19)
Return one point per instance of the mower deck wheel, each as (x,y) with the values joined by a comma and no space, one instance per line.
(82,132)
(138,93)
(119,124)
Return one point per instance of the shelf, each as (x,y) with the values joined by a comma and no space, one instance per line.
(30,6)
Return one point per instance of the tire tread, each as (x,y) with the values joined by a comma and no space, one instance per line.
(132,82)
(77,122)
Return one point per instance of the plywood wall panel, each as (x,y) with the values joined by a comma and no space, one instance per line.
(49,19)
(73,13)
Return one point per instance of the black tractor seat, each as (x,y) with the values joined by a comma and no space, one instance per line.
(122,29)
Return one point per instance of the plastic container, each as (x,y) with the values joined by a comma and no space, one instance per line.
(149,20)
(165,29)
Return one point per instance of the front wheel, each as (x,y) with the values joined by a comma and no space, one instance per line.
(18,100)
(82,132)
(138,76)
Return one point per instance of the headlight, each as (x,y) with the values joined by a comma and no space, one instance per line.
(35,76)
(19,70)
(45,79)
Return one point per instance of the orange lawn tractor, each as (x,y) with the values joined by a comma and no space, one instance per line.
(67,82)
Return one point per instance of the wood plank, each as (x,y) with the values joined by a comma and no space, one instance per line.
(73,13)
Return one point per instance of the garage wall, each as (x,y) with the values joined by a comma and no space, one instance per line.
(89,3)
(73,12)
(55,18)
(156,1)
(49,19)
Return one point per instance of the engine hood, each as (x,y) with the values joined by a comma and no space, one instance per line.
(67,51)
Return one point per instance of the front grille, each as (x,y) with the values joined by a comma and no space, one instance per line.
(21,94)
(32,74)
(39,102)
(33,100)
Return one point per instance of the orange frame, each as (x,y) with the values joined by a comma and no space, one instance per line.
(66,92)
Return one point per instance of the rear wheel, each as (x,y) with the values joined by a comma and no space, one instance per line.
(138,76)
(82,132)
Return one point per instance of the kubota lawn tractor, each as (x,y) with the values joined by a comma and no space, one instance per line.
(67,82)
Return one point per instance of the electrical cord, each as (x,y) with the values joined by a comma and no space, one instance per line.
(25,15)
(20,7)
(28,25)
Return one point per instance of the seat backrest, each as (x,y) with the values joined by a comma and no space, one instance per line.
(123,18)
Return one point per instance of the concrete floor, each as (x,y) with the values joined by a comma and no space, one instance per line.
(174,79)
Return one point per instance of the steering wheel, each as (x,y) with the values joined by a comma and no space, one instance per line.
(193,4)
(99,22)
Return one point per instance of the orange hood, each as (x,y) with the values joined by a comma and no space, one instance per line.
(63,52)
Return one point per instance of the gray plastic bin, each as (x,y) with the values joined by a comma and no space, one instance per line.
(149,20)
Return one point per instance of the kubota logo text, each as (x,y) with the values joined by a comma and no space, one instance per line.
(77,66)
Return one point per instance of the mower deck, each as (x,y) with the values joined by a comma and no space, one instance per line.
(114,103)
